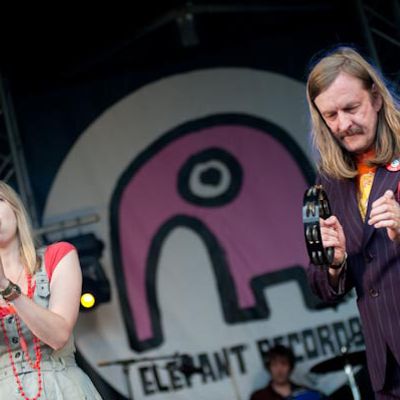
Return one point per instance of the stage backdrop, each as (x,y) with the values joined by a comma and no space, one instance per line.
(198,179)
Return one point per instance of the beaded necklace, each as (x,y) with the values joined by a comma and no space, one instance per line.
(36,345)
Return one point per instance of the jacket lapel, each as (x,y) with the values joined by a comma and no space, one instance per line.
(351,215)
(383,180)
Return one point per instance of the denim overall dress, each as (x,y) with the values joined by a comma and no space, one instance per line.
(62,379)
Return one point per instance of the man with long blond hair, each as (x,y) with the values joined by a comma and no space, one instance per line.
(356,131)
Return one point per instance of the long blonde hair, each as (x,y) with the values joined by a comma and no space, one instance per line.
(334,160)
(27,248)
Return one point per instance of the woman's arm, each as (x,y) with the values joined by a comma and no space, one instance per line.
(54,325)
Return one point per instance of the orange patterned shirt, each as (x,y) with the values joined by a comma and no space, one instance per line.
(365,179)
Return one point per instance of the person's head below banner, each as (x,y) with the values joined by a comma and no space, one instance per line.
(279,361)
(353,112)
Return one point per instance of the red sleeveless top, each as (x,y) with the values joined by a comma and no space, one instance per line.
(53,254)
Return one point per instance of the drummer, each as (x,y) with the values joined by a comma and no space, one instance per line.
(279,362)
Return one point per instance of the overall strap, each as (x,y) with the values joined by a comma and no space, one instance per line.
(42,290)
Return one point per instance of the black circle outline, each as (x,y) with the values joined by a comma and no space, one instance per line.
(201,157)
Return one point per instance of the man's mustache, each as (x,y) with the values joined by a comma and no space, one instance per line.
(350,132)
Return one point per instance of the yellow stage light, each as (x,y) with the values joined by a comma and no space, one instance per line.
(87,300)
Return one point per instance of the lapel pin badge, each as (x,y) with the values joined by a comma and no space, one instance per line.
(394,166)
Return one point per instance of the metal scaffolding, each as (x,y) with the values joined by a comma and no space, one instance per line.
(381,25)
(13,168)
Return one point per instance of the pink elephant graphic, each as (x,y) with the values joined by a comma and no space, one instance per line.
(235,180)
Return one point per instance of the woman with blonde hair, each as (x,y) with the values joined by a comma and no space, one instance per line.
(39,305)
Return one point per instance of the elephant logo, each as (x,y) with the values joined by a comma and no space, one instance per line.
(237,182)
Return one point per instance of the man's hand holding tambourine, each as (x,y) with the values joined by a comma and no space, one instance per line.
(333,236)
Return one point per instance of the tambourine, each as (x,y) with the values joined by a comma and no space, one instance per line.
(316,206)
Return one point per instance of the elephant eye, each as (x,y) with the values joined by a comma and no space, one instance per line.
(210,178)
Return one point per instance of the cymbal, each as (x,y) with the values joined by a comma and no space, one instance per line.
(337,363)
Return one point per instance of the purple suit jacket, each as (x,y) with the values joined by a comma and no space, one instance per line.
(373,268)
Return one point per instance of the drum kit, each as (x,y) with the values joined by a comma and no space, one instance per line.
(346,362)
